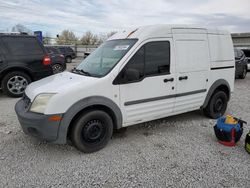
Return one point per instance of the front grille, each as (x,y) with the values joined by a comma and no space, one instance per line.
(26,101)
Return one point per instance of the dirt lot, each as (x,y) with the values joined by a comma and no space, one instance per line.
(179,151)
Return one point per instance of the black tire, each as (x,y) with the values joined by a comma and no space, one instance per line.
(57,68)
(217,105)
(68,59)
(14,83)
(92,131)
(244,73)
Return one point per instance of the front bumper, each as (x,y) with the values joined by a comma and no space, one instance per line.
(37,125)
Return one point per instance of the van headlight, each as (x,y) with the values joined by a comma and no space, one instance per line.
(40,102)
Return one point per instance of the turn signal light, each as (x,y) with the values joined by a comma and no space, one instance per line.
(55,118)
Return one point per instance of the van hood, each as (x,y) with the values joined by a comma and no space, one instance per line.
(58,83)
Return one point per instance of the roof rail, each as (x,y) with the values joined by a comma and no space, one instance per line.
(13,33)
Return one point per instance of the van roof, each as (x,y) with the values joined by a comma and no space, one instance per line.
(153,31)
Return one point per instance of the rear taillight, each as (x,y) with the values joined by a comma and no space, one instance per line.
(46,60)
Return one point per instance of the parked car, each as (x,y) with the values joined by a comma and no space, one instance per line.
(134,77)
(247,54)
(240,64)
(86,54)
(23,59)
(57,59)
(68,53)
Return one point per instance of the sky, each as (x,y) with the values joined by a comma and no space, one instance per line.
(103,16)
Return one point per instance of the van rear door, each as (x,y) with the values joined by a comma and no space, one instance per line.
(192,68)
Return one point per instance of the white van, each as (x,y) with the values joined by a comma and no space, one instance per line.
(135,76)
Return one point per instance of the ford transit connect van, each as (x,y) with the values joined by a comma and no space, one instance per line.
(135,76)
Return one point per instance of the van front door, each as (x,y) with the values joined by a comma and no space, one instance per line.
(147,83)
(192,71)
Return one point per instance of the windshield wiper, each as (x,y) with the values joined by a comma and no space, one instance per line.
(81,71)
(85,72)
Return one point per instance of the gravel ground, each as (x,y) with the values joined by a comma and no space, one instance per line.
(179,151)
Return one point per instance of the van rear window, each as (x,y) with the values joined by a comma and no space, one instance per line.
(22,46)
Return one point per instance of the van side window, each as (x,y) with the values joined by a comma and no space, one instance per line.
(151,59)
(137,62)
(157,58)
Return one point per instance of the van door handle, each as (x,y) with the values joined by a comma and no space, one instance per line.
(183,78)
(168,80)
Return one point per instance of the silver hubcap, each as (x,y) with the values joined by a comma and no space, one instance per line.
(57,68)
(17,84)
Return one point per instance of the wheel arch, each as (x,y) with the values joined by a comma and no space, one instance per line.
(221,85)
(84,105)
(12,69)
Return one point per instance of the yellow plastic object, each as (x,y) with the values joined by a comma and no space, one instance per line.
(230,120)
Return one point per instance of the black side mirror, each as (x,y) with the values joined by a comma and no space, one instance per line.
(131,75)
(126,76)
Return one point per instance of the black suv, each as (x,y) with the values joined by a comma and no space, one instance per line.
(240,64)
(23,59)
(68,53)
(247,54)
(57,59)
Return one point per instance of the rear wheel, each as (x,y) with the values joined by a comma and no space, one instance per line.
(57,68)
(92,131)
(68,59)
(14,83)
(217,105)
(244,73)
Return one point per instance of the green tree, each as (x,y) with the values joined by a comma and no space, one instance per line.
(67,37)
(22,29)
(89,39)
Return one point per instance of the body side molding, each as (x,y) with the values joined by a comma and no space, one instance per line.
(164,97)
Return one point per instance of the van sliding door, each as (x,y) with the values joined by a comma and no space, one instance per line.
(192,68)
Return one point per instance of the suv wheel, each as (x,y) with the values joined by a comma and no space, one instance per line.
(68,59)
(57,68)
(14,83)
(244,73)
(217,105)
(92,131)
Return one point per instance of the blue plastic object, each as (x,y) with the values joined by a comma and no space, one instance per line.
(39,35)
(227,127)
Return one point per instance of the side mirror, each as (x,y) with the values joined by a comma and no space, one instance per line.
(131,75)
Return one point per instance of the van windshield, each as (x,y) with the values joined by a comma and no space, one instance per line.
(104,58)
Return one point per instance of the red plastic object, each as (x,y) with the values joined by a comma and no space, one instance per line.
(232,142)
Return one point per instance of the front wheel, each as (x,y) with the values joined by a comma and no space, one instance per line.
(14,83)
(217,105)
(92,131)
